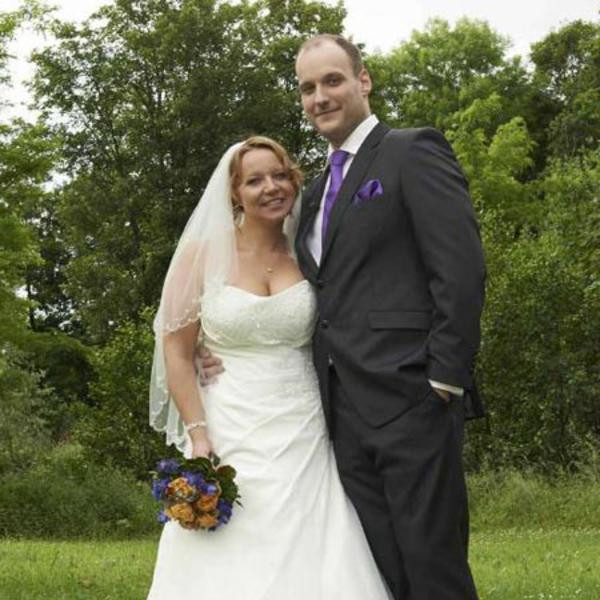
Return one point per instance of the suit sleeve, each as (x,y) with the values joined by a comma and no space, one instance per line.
(446,232)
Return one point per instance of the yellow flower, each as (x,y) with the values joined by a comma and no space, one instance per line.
(207,520)
(182,512)
(206,503)
(180,488)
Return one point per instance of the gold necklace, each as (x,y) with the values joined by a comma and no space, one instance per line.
(271,268)
(268,269)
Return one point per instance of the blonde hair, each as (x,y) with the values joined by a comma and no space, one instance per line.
(252,143)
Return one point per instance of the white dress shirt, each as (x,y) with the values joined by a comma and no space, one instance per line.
(352,145)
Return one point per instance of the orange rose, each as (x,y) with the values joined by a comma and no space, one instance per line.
(180,488)
(207,520)
(182,512)
(206,503)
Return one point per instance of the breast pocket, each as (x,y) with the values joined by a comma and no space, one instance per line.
(368,215)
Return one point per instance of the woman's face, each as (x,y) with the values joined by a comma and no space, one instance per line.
(265,190)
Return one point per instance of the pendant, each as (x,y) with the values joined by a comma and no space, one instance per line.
(269,269)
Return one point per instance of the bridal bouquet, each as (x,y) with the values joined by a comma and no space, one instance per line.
(198,493)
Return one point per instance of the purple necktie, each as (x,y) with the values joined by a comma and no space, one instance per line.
(336,160)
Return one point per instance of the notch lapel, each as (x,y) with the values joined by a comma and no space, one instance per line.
(353,179)
(310,208)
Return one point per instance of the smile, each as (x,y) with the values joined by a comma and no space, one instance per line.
(327,112)
(273,202)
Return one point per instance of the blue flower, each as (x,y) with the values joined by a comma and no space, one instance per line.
(168,465)
(162,518)
(195,479)
(207,488)
(159,487)
(224,508)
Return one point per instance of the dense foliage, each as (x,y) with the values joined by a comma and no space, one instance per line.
(136,106)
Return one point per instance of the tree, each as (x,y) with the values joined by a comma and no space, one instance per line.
(17,247)
(538,364)
(115,428)
(496,164)
(39,362)
(139,102)
(568,74)
(149,93)
(22,432)
(144,97)
(442,71)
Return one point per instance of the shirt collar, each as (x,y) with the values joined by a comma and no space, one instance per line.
(355,140)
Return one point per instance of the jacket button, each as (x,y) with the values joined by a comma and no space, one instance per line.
(324,324)
(320,283)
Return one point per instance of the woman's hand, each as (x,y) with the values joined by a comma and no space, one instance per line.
(201,445)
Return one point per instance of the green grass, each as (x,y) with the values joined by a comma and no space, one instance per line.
(508,565)
(76,570)
(534,538)
(537,565)
(513,500)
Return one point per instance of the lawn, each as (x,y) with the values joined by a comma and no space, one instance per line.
(75,570)
(508,565)
(537,565)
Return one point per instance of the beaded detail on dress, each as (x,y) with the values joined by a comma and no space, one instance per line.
(233,317)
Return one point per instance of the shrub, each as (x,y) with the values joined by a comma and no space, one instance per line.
(23,432)
(65,496)
(115,430)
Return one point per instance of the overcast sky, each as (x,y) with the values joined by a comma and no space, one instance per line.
(380,24)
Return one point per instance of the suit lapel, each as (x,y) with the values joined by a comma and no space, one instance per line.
(310,208)
(353,179)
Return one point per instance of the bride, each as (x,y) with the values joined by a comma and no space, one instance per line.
(234,281)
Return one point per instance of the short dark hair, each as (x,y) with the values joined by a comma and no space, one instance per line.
(347,46)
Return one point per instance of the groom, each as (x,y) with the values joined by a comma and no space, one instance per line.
(389,239)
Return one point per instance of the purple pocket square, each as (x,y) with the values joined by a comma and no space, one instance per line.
(370,190)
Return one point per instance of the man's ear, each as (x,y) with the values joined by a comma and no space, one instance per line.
(365,82)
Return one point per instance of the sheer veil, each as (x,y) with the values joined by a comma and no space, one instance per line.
(205,256)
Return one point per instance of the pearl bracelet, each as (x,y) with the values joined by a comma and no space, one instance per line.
(194,425)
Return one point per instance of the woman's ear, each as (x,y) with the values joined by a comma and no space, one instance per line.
(237,208)
(235,200)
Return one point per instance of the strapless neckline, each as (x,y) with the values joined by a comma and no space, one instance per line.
(261,296)
(235,318)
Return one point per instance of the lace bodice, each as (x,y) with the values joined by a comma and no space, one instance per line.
(235,318)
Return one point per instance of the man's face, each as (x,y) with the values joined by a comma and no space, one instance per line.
(334,99)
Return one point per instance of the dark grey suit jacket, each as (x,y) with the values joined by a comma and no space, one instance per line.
(400,285)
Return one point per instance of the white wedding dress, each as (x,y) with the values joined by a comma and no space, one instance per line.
(297,537)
